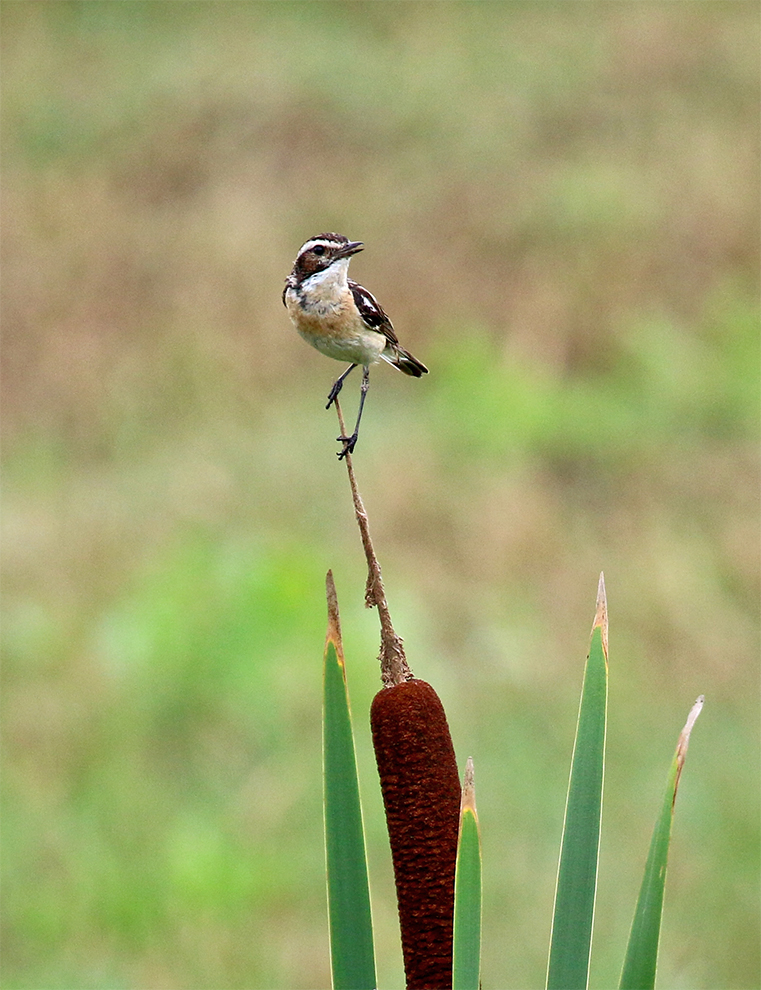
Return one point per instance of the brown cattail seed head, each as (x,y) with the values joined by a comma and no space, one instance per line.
(421,794)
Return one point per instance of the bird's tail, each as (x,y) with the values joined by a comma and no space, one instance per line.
(405,362)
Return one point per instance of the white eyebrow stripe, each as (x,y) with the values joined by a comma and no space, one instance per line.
(320,240)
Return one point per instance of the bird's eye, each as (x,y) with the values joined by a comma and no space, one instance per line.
(318,249)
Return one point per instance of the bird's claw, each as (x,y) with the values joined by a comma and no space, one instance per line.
(333,394)
(349,444)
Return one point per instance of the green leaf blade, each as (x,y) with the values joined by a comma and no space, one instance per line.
(642,950)
(466,960)
(351,935)
(571,940)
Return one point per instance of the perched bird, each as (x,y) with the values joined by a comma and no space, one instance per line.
(341,318)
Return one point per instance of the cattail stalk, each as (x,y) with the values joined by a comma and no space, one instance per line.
(420,785)
(394,666)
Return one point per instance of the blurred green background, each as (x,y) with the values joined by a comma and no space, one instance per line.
(560,206)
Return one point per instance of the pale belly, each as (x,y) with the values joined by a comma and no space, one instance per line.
(360,349)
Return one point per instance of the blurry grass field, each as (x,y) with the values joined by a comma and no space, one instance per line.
(560,208)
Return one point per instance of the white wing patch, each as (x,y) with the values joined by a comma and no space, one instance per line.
(372,312)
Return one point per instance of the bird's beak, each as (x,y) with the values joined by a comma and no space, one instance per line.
(349,249)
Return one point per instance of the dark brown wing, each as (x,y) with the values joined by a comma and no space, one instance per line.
(371,312)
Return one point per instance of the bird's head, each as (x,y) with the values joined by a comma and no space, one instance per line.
(320,252)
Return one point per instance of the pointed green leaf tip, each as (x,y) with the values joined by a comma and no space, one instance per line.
(684,739)
(601,615)
(351,935)
(466,968)
(642,951)
(571,938)
(469,789)
(334,620)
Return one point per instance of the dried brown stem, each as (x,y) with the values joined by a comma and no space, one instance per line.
(394,666)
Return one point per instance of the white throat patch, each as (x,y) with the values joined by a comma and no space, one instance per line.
(335,275)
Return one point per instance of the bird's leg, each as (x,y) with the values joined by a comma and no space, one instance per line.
(338,385)
(351,442)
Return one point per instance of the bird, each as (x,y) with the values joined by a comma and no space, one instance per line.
(341,318)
